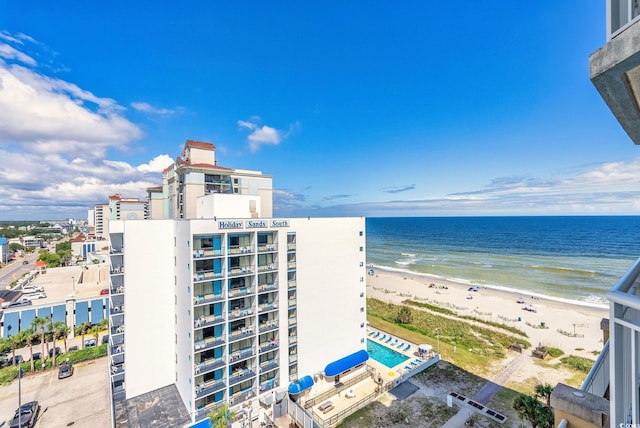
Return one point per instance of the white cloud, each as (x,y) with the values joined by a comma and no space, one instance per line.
(148,108)
(245,124)
(157,164)
(7,52)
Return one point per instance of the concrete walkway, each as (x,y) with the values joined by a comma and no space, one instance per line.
(488,391)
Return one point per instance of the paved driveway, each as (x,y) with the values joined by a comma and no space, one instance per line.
(79,401)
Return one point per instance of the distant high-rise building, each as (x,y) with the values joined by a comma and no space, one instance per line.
(118,208)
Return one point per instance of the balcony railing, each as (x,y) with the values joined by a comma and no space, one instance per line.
(207,388)
(240,376)
(240,249)
(117,290)
(267,248)
(264,347)
(270,306)
(291,265)
(268,267)
(292,284)
(206,252)
(268,365)
(241,333)
(119,349)
(209,365)
(241,291)
(268,385)
(241,396)
(209,408)
(240,313)
(292,302)
(208,343)
(268,326)
(241,354)
(206,275)
(116,270)
(203,299)
(265,287)
(207,321)
(246,270)
(293,340)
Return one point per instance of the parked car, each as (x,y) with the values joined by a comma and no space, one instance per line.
(104,291)
(34,296)
(32,289)
(73,348)
(36,356)
(65,370)
(25,262)
(58,352)
(89,343)
(15,360)
(26,415)
(105,339)
(24,302)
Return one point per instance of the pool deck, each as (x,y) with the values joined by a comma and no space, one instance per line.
(346,400)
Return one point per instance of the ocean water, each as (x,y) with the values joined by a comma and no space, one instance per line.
(575,258)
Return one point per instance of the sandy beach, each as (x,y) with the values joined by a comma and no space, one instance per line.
(574,328)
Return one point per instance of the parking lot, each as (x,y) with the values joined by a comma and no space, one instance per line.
(81,400)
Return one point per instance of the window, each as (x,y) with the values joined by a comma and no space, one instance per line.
(362,340)
(361,325)
(362,279)
(361,309)
(361,249)
(362,294)
(361,233)
(361,264)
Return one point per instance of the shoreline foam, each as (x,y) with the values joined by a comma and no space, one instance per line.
(470,283)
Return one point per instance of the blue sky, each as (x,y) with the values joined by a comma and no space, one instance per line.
(363,108)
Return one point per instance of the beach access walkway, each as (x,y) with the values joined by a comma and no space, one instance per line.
(488,391)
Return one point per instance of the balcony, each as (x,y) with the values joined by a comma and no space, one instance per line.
(267,267)
(291,265)
(206,252)
(207,388)
(117,290)
(268,365)
(242,354)
(265,287)
(293,359)
(116,270)
(208,343)
(291,246)
(241,291)
(241,396)
(292,284)
(268,385)
(239,271)
(240,249)
(292,303)
(267,248)
(206,275)
(293,340)
(209,365)
(117,369)
(116,330)
(207,321)
(115,350)
(268,326)
(268,346)
(240,376)
(266,307)
(241,333)
(204,299)
(203,411)
(240,313)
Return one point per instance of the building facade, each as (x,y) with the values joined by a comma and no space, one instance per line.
(610,395)
(118,208)
(229,306)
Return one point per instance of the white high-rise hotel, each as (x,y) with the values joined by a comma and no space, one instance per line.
(218,298)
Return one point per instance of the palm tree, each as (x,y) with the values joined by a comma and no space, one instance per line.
(95,331)
(84,328)
(14,340)
(544,391)
(39,323)
(529,408)
(222,418)
(62,330)
(29,336)
(51,326)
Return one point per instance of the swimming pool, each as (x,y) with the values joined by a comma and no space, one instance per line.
(384,355)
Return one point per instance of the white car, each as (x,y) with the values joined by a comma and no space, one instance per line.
(34,296)
(32,289)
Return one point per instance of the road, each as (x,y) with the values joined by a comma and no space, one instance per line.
(16,269)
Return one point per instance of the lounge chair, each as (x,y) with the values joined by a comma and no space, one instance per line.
(377,334)
(400,345)
(371,333)
(408,347)
(384,336)
(408,368)
(388,340)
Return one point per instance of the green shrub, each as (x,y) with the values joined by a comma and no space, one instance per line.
(554,352)
(578,363)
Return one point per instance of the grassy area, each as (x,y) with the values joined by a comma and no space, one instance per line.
(554,352)
(477,340)
(9,374)
(580,364)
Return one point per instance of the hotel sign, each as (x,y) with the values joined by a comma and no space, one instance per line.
(251,224)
